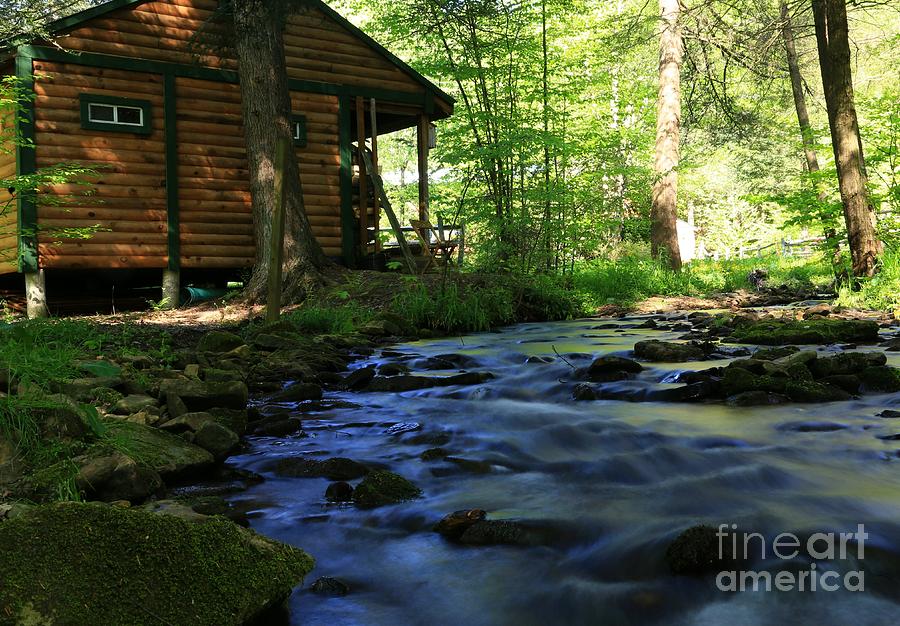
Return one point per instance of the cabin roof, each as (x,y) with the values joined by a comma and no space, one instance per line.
(78,19)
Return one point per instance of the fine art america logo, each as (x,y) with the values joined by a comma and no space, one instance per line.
(826,549)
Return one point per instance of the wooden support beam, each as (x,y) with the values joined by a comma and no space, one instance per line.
(376,213)
(422,153)
(363,179)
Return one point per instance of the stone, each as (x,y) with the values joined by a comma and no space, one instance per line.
(339,492)
(281,427)
(846,363)
(336,468)
(59,559)
(188,421)
(59,417)
(219,341)
(116,477)
(470,465)
(216,375)
(817,331)
(199,396)
(801,357)
(83,389)
(455,524)
(392,369)
(433,454)
(756,398)
(584,391)
(668,352)
(241,353)
(132,404)
(380,328)
(381,487)
(192,370)
(880,379)
(848,382)
(298,392)
(216,439)
(609,368)
(359,378)
(328,586)
(501,532)
(169,455)
(818,310)
(233,419)
(695,552)
(889,413)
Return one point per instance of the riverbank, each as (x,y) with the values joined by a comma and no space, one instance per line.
(126,410)
(141,411)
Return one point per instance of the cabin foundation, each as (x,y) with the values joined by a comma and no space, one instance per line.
(36,294)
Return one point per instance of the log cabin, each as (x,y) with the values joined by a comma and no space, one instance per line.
(130,89)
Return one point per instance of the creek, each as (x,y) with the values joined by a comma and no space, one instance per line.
(615,482)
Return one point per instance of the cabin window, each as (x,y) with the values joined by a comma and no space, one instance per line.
(298,129)
(107,113)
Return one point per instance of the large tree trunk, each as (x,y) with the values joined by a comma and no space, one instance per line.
(834,61)
(266,108)
(793,62)
(663,214)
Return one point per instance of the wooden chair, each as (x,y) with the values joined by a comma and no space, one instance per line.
(434,247)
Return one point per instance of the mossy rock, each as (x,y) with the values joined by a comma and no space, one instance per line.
(75,563)
(880,379)
(169,455)
(818,331)
(382,487)
(738,380)
(219,341)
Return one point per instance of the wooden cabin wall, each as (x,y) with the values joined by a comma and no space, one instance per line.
(317,48)
(127,200)
(8,216)
(213,179)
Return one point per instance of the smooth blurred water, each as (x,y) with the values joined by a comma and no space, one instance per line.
(617,481)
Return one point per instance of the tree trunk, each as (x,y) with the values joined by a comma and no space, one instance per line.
(806,132)
(663,214)
(834,60)
(266,108)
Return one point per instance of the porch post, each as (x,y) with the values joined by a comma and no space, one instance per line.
(422,153)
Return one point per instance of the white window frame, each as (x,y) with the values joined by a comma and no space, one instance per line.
(116,108)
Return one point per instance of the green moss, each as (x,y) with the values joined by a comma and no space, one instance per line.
(823,331)
(381,487)
(164,452)
(96,564)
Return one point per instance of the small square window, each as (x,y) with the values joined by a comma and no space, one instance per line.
(111,113)
(102,113)
(129,115)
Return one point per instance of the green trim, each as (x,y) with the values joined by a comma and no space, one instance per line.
(297,118)
(107,61)
(26,163)
(173,214)
(348,229)
(340,19)
(146,128)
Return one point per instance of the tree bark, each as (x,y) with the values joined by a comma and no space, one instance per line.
(266,109)
(834,61)
(663,213)
(793,62)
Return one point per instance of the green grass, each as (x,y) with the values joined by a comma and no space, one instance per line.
(879,292)
(338,319)
(629,280)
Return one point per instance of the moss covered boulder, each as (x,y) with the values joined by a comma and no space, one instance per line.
(97,564)
(169,455)
(382,487)
(817,331)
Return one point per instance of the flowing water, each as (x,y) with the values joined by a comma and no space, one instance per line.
(615,481)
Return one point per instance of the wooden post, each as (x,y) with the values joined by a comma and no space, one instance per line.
(35,295)
(363,176)
(171,287)
(376,214)
(276,250)
(422,153)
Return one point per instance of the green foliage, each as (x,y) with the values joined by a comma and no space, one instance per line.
(340,319)
(882,291)
(630,279)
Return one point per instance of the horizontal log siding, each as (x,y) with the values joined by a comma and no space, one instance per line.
(213,180)
(317,48)
(8,217)
(214,189)
(127,201)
